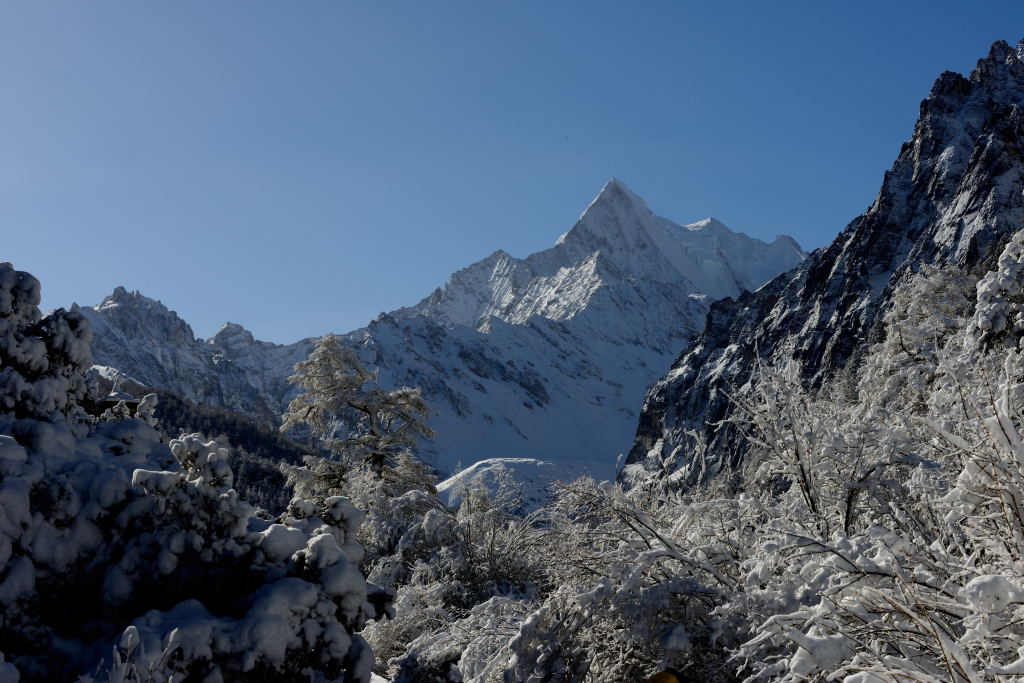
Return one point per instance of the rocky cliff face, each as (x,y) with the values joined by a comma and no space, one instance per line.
(952,196)
(544,357)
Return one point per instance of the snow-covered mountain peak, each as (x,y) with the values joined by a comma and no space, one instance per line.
(122,297)
(1000,54)
(614,220)
(141,337)
(710,223)
(149,318)
(788,242)
(617,244)
(232,335)
(1001,70)
(616,193)
(118,295)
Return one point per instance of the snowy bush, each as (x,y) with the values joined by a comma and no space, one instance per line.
(999,314)
(638,582)
(115,566)
(924,314)
(40,358)
(454,570)
(925,583)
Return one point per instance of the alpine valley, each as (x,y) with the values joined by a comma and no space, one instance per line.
(545,357)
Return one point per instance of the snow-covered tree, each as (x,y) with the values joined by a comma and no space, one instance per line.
(338,394)
(999,314)
(40,358)
(638,579)
(923,315)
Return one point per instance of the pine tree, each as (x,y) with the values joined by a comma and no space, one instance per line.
(339,396)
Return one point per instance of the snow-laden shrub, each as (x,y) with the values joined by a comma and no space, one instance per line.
(393,500)
(39,357)
(926,583)
(114,566)
(923,315)
(999,314)
(638,582)
(469,649)
(927,587)
(280,598)
(448,569)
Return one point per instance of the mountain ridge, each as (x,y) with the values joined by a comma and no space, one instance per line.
(953,194)
(546,356)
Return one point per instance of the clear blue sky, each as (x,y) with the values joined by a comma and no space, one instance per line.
(300,167)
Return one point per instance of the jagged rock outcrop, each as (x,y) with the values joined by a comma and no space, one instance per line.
(952,197)
(544,357)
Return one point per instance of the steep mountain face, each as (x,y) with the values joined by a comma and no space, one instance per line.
(952,197)
(545,357)
(618,250)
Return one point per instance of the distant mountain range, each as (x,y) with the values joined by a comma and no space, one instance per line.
(545,357)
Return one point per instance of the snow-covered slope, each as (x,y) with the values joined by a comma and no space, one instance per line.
(544,357)
(953,196)
(531,482)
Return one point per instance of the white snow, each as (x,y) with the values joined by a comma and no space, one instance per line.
(992,593)
(530,476)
